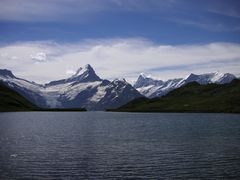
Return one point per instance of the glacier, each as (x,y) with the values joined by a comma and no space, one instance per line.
(83,89)
(86,89)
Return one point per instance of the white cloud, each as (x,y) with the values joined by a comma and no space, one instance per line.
(39,57)
(118,58)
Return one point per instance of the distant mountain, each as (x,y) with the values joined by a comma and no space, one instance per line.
(86,74)
(151,88)
(10,100)
(192,97)
(87,90)
(208,78)
(144,81)
(83,89)
(30,90)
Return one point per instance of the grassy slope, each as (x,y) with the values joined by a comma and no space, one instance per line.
(192,97)
(10,100)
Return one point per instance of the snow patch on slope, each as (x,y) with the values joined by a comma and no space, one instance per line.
(156,88)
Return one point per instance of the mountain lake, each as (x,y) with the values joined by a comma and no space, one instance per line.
(107,145)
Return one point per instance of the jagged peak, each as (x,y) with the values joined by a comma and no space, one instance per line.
(88,66)
(191,75)
(84,74)
(6,73)
(142,75)
(222,73)
(78,71)
(86,69)
(146,80)
(120,80)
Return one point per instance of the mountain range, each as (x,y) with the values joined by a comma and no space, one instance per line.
(85,89)
(191,97)
(152,88)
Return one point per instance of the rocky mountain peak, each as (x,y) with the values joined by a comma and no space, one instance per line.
(6,73)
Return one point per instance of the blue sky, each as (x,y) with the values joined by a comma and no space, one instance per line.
(167,22)
(66,24)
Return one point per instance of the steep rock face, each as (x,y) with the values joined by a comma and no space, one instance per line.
(117,93)
(144,81)
(84,89)
(6,73)
(86,74)
(151,88)
(100,95)
(156,88)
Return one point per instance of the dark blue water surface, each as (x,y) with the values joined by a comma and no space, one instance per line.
(101,145)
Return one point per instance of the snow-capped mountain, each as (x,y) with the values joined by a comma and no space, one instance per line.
(83,89)
(30,90)
(216,77)
(151,88)
(86,89)
(144,81)
(85,74)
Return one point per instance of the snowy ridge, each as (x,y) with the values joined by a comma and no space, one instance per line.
(144,81)
(207,78)
(83,89)
(156,88)
(86,89)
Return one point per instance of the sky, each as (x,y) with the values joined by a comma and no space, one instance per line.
(50,39)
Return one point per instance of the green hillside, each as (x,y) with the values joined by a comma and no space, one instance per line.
(192,97)
(10,100)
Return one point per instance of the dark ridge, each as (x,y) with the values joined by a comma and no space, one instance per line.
(10,100)
(192,97)
(6,73)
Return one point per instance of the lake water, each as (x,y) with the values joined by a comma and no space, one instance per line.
(104,145)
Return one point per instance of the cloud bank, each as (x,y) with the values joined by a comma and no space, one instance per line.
(43,61)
